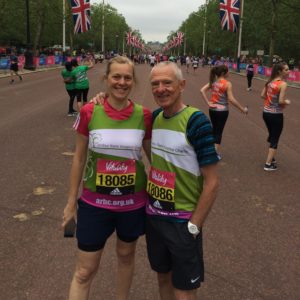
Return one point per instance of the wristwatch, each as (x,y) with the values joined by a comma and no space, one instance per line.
(193,229)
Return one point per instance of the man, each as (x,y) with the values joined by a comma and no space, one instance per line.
(182,186)
(14,68)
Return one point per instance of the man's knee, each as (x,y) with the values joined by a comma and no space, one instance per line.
(164,279)
(185,295)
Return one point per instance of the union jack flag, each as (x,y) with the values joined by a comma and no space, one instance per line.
(179,38)
(230,14)
(81,15)
(129,39)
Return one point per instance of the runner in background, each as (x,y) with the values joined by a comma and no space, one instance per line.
(221,96)
(110,137)
(81,81)
(70,87)
(250,74)
(275,101)
(195,63)
(187,63)
(14,68)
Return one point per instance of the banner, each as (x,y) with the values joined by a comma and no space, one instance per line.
(50,60)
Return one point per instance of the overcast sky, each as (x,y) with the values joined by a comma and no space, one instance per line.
(155,19)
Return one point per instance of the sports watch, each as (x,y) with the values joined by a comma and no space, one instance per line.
(193,229)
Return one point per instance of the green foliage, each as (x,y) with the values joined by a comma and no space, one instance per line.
(257,29)
(46,25)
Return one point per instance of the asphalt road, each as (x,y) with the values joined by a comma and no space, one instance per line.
(251,236)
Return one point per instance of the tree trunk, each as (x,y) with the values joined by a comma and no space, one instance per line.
(273,31)
(40,23)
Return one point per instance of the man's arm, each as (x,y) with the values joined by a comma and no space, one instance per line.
(208,195)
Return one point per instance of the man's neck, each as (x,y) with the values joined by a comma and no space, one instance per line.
(172,111)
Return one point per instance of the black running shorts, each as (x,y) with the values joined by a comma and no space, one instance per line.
(171,248)
(95,225)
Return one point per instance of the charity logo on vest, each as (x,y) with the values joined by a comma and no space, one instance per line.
(116,166)
(161,188)
(115,178)
(159,177)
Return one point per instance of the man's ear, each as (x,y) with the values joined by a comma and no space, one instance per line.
(182,85)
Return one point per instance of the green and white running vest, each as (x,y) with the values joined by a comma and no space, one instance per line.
(174,182)
(115,176)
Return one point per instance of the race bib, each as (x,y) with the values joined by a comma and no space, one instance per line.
(115,178)
(161,188)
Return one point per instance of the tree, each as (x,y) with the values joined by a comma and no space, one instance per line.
(270,25)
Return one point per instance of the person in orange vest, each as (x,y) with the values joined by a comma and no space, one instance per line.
(275,101)
(221,96)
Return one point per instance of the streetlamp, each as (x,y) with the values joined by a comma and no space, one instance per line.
(117,43)
(103,12)
(28,53)
(204,29)
(123,42)
(184,48)
(27,22)
(208,35)
(102,44)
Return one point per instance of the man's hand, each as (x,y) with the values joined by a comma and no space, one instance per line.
(98,99)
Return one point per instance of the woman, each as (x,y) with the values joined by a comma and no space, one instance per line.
(81,81)
(274,95)
(70,87)
(250,74)
(111,136)
(195,64)
(221,96)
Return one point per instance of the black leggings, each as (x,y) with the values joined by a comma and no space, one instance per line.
(218,120)
(72,94)
(274,123)
(249,78)
(82,94)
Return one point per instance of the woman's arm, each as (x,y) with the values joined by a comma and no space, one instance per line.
(282,92)
(233,101)
(78,165)
(263,93)
(203,91)
(147,148)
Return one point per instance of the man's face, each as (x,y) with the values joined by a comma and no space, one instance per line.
(166,88)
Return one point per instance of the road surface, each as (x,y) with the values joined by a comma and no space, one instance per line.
(251,237)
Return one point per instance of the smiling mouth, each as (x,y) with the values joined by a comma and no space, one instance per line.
(121,89)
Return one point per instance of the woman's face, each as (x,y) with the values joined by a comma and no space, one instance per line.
(120,81)
(285,72)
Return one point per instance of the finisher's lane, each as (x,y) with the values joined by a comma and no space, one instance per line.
(250,235)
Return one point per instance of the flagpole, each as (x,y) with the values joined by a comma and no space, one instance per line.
(204,30)
(64,26)
(102,45)
(240,36)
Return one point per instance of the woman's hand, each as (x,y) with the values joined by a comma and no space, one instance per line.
(70,212)
(245,110)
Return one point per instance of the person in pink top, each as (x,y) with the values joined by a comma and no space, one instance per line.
(274,95)
(108,163)
(221,96)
